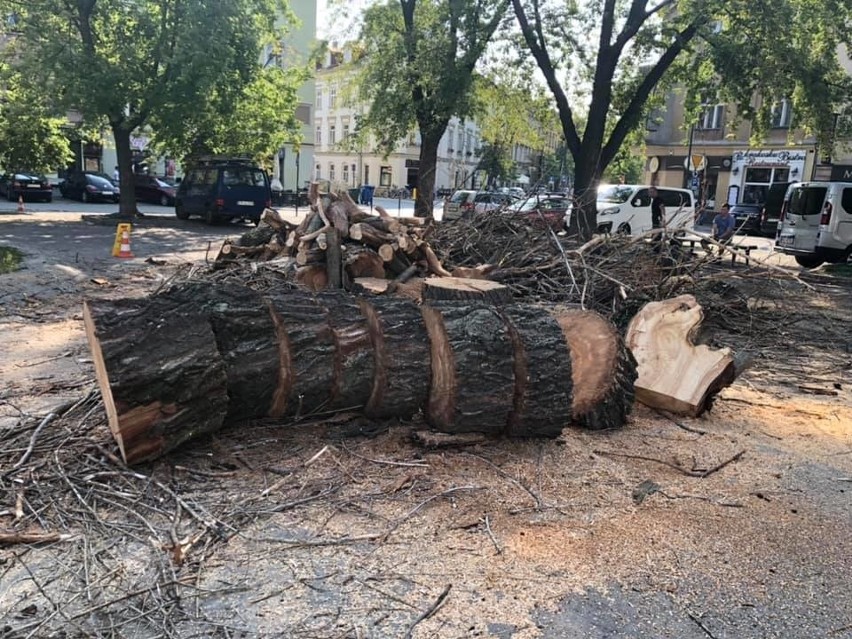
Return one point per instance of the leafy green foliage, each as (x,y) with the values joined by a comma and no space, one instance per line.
(124,62)
(419,65)
(31,134)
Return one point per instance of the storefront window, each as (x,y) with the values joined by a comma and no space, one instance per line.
(758,175)
(385,176)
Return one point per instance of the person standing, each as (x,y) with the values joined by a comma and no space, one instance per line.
(658,209)
(115,175)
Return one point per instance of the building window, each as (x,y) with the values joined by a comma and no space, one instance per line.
(385,176)
(451,134)
(318,139)
(317,172)
(712,117)
(318,104)
(782,114)
(332,97)
(346,173)
(331,172)
(345,131)
(460,142)
(353,175)
(366,174)
(332,135)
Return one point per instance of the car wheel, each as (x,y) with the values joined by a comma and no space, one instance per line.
(10,195)
(84,197)
(211,218)
(180,212)
(806,261)
(164,200)
(624,229)
(49,199)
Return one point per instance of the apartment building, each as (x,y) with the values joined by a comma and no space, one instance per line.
(715,159)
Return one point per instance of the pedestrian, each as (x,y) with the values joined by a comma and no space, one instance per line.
(115,174)
(658,209)
(724,225)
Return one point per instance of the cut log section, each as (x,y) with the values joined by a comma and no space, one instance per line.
(542,365)
(244,337)
(160,373)
(354,363)
(472,386)
(412,289)
(401,346)
(306,353)
(603,370)
(461,289)
(674,373)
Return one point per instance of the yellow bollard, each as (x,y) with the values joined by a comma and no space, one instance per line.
(414,194)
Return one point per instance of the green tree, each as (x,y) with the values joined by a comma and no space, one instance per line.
(419,70)
(31,135)
(123,61)
(612,57)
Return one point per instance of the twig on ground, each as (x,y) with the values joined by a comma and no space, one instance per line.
(431,610)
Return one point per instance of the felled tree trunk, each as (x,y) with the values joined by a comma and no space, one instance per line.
(674,373)
(161,376)
(194,357)
(457,289)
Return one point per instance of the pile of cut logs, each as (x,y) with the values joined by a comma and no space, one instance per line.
(337,243)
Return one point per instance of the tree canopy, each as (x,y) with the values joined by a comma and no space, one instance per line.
(127,63)
(604,62)
(419,63)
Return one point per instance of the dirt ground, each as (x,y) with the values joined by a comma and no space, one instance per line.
(731,525)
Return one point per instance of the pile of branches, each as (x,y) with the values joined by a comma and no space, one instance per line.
(336,243)
(612,274)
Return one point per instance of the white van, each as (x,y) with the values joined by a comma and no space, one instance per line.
(626,208)
(816,223)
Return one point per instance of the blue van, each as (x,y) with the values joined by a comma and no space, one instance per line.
(223,189)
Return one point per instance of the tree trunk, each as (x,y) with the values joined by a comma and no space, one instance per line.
(401,347)
(429,142)
(472,386)
(542,368)
(161,376)
(584,216)
(458,289)
(127,180)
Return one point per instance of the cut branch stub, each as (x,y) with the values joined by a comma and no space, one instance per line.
(472,386)
(542,365)
(160,374)
(401,346)
(602,369)
(459,289)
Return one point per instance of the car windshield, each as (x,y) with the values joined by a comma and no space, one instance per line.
(243,177)
(532,204)
(614,194)
(100,182)
(163,184)
(460,196)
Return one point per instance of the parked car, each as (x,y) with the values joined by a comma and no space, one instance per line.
(461,204)
(626,208)
(223,188)
(544,210)
(747,217)
(150,188)
(484,202)
(89,187)
(816,223)
(26,184)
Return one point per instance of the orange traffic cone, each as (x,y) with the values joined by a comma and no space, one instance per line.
(124,249)
(21,204)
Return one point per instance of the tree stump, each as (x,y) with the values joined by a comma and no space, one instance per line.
(161,377)
(472,385)
(542,368)
(461,289)
(674,373)
(603,370)
(401,346)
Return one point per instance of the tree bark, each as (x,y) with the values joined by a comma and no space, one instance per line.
(401,347)
(542,401)
(459,289)
(161,376)
(362,261)
(472,386)
(429,142)
(127,184)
